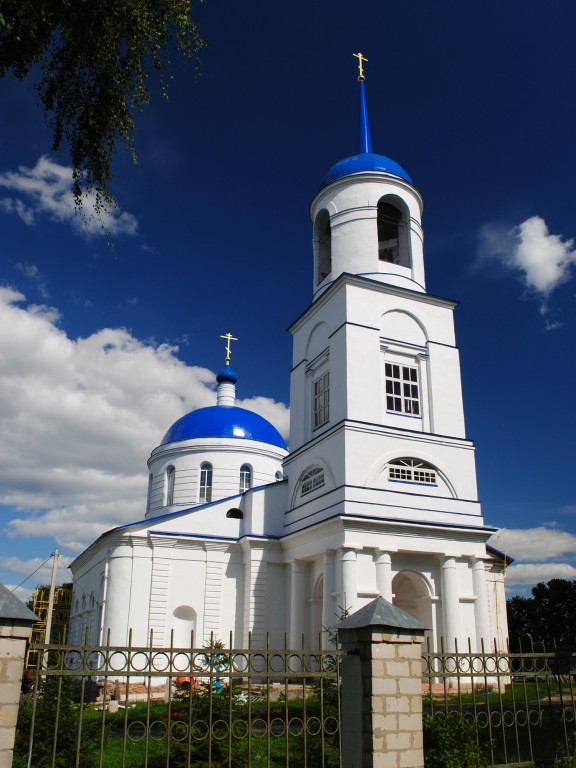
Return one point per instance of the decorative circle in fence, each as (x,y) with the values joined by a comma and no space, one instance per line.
(294,663)
(240,729)
(331,725)
(178,730)
(220,729)
(568,714)
(277,663)
(313,726)
(158,730)
(181,662)
(295,726)
(136,731)
(259,727)
(200,730)
(278,727)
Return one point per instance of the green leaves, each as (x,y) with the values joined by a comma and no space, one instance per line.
(96,59)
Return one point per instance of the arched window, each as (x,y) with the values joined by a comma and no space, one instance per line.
(411,471)
(170,480)
(312,479)
(205,483)
(324,240)
(245,477)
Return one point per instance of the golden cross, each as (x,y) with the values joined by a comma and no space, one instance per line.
(228,336)
(360,69)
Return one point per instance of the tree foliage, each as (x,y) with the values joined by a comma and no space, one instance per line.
(547,618)
(94,60)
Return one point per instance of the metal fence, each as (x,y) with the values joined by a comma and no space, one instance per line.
(146,707)
(521,704)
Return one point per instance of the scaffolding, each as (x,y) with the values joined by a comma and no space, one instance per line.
(60,617)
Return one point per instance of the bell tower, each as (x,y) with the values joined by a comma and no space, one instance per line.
(367,219)
(377,421)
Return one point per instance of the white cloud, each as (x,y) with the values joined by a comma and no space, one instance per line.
(46,189)
(543,547)
(528,574)
(78,421)
(541,543)
(543,260)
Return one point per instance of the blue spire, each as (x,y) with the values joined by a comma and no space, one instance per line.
(364,142)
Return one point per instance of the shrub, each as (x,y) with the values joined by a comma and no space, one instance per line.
(450,742)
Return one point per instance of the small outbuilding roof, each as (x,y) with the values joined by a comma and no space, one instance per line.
(13,608)
(380,613)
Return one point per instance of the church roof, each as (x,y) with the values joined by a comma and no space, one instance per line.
(224,421)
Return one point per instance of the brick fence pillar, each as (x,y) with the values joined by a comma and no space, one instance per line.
(15,623)
(381,688)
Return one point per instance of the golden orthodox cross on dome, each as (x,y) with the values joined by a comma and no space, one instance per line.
(360,68)
(228,336)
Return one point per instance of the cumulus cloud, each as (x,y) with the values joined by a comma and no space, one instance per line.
(46,190)
(79,417)
(541,553)
(543,260)
(542,543)
(528,574)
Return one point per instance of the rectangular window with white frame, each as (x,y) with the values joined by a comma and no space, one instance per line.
(321,400)
(402,390)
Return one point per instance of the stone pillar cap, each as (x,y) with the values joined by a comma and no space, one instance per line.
(380,613)
(14,609)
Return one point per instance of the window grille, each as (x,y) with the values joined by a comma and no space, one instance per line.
(321,400)
(245,478)
(402,394)
(205,483)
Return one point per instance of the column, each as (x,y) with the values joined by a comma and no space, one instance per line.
(349,580)
(117,614)
(383,574)
(450,602)
(297,602)
(481,610)
(328,608)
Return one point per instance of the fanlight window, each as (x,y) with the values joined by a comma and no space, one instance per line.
(313,479)
(170,480)
(205,494)
(411,471)
(245,478)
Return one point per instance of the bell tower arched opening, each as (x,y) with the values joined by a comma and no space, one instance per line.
(393,244)
(323,245)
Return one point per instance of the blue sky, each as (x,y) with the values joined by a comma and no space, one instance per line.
(101,352)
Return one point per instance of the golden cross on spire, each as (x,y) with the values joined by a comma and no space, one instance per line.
(360,68)
(228,336)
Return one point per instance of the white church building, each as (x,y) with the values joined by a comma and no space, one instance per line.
(376,494)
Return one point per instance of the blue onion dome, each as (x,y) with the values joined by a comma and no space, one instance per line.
(366,161)
(224,421)
(228,375)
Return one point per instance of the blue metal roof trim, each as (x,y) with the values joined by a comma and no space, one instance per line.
(366,161)
(224,421)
